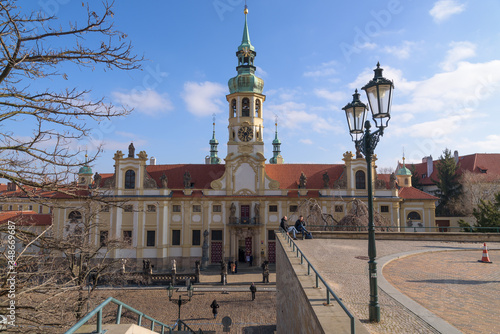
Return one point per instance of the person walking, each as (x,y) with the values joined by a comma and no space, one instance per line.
(253,289)
(214,306)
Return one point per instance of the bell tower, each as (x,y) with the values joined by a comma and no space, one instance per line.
(246,102)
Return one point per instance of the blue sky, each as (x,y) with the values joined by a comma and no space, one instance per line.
(444,58)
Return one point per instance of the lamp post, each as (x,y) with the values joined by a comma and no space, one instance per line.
(379,93)
(179,302)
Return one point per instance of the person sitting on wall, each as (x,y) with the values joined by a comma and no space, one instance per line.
(287,228)
(300,226)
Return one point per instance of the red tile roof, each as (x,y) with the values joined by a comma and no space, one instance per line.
(26,218)
(201,175)
(288,174)
(475,163)
(414,193)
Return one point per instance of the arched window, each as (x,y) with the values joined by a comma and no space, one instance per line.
(414,216)
(130,179)
(360,180)
(233,107)
(257,108)
(245,110)
(75,215)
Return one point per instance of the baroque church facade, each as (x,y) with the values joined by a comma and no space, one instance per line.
(233,209)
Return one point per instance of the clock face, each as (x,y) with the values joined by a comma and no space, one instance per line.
(245,133)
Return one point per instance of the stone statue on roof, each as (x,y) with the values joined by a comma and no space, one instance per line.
(97,180)
(164,181)
(326,180)
(187,180)
(131,150)
(302,181)
(392,181)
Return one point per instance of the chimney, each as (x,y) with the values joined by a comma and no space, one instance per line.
(424,160)
(11,186)
(152,161)
(455,155)
(430,166)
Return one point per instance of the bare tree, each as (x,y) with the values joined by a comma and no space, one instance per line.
(35,47)
(475,187)
(58,271)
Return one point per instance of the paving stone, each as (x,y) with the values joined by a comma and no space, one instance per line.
(344,266)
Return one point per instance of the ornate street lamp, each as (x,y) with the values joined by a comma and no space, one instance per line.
(170,290)
(379,93)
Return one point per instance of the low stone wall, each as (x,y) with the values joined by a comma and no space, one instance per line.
(415,236)
(300,306)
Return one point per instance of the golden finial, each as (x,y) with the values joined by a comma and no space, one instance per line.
(246,8)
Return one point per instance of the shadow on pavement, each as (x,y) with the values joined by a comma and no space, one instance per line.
(265,329)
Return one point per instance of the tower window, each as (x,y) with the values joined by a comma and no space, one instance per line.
(245,111)
(257,108)
(233,107)
(360,180)
(130,179)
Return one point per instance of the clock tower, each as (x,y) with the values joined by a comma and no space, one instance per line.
(246,102)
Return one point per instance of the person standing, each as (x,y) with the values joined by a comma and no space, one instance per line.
(214,306)
(253,290)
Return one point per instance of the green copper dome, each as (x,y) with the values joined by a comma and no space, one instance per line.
(246,80)
(403,171)
(86,170)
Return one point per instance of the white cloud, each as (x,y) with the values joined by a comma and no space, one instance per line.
(293,116)
(443,9)
(401,51)
(146,101)
(367,46)
(458,51)
(323,70)
(260,72)
(204,98)
(331,96)
(455,92)
(490,144)
(306,141)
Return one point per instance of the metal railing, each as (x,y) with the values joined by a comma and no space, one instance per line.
(182,326)
(243,221)
(329,291)
(442,229)
(98,311)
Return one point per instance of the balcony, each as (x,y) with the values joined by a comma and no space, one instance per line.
(245,221)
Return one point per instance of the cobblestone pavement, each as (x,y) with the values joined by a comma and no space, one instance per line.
(247,316)
(343,264)
(456,287)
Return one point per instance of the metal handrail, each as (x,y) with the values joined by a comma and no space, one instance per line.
(182,326)
(98,311)
(333,228)
(329,290)
(243,221)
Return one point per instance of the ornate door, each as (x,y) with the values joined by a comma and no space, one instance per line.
(271,251)
(248,246)
(216,251)
(245,214)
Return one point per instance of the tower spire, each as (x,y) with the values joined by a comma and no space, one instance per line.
(277,158)
(213,159)
(245,41)
(246,80)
